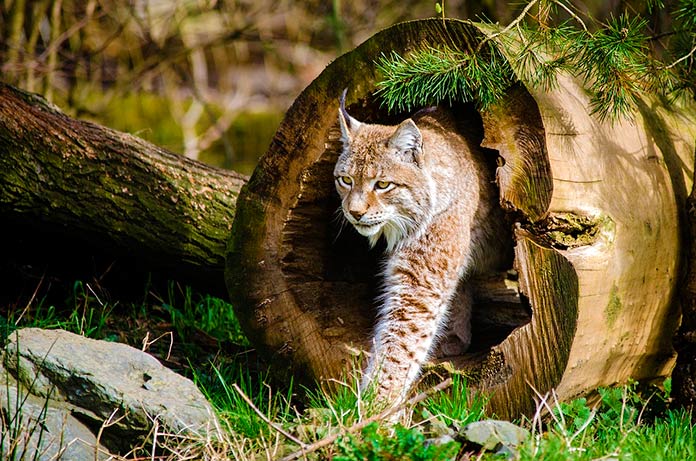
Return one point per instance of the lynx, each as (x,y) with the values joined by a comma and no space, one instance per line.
(427,192)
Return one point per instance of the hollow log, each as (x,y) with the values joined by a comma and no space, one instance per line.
(69,187)
(590,297)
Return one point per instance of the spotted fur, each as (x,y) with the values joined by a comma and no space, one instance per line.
(425,189)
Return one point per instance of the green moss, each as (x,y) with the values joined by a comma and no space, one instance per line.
(613,308)
(569,230)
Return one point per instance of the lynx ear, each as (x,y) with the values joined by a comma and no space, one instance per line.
(408,139)
(348,124)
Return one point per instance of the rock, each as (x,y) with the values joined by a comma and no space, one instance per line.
(102,381)
(500,436)
(35,430)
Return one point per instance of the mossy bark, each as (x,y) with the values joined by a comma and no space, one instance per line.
(597,229)
(74,179)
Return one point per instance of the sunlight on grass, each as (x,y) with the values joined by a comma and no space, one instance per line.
(341,402)
(457,403)
(400,443)
(278,420)
(233,409)
(616,427)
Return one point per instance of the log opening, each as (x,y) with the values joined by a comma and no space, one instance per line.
(331,270)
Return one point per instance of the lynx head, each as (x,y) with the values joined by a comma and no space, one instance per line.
(382,178)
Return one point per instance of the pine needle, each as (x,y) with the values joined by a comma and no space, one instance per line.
(614,61)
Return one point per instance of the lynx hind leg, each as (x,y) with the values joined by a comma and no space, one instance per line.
(456,333)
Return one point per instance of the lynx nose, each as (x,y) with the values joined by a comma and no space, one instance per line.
(357,214)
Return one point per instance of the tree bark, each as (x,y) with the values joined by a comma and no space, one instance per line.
(75,181)
(597,236)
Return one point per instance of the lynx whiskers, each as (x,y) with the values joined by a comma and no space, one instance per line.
(426,189)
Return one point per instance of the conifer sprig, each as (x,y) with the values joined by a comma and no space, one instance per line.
(614,60)
(433,75)
(615,63)
(686,14)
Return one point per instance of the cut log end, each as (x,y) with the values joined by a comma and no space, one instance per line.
(305,287)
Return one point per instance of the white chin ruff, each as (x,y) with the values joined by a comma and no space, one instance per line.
(393,233)
(369,231)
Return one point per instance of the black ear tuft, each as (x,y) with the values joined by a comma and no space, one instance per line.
(342,106)
(347,123)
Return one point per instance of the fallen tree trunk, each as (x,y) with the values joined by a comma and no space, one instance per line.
(597,236)
(74,181)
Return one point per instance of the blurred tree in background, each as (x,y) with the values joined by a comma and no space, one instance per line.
(209,78)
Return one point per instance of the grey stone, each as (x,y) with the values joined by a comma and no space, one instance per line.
(102,381)
(40,429)
(493,435)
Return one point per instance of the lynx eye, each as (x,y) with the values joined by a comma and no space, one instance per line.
(346,181)
(382,185)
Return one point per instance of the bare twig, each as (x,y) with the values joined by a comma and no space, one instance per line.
(683,58)
(31,300)
(147,343)
(360,425)
(514,23)
(572,14)
(110,421)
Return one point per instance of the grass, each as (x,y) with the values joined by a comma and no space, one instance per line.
(202,313)
(340,403)
(21,430)
(458,404)
(624,423)
(86,316)
(401,444)
(232,407)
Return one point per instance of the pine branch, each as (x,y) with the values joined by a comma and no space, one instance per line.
(434,75)
(614,61)
(686,14)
